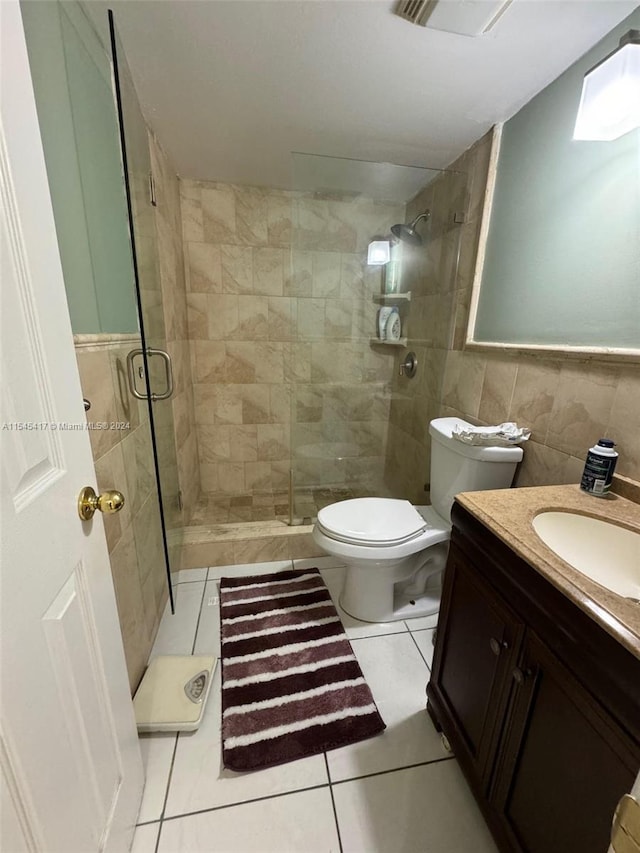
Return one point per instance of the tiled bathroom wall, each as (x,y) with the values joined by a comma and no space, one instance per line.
(568,403)
(429,272)
(280,315)
(168,225)
(123,461)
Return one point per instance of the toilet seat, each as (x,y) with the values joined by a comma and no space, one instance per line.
(373,522)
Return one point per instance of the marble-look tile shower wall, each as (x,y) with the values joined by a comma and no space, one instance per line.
(430,273)
(280,314)
(168,224)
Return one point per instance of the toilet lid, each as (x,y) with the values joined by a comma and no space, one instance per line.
(371,521)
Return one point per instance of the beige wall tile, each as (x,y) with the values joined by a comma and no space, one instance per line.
(298,275)
(261,549)
(231,477)
(191,209)
(209,477)
(227,404)
(624,422)
(253,319)
(208,361)
(279,224)
(311,313)
(534,394)
(129,599)
(205,403)
(223,316)
(255,402)
(203,555)
(269,362)
(251,215)
(240,362)
(204,268)
(257,476)
(237,269)
(219,214)
(268,272)
(198,316)
(280,400)
(283,314)
(582,407)
(273,442)
(497,390)
(326,274)
(97,386)
(214,443)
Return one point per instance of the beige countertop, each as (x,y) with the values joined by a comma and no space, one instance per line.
(509,513)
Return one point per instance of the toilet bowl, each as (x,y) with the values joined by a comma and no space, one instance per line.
(395,553)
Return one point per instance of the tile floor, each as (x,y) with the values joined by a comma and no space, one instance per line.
(397,792)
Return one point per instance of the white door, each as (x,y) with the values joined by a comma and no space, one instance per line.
(72,777)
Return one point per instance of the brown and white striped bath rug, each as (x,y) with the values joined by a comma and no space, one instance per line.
(291,685)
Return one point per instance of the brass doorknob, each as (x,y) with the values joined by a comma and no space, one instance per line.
(108,502)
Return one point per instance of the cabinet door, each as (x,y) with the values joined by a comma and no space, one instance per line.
(564,763)
(477,646)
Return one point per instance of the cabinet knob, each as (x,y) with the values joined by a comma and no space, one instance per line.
(497,646)
(519,675)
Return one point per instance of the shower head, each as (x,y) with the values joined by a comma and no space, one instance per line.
(408,233)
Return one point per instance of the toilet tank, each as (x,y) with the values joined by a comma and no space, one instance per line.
(458,467)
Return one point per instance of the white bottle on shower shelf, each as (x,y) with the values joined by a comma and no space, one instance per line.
(383,318)
(393,328)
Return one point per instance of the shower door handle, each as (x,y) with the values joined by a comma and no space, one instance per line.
(168,391)
(168,366)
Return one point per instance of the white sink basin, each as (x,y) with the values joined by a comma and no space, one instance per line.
(604,552)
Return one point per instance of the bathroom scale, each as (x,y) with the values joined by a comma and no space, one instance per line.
(173,693)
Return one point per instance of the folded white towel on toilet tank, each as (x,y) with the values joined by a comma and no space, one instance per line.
(502,435)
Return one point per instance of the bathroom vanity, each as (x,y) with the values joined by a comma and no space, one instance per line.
(536,674)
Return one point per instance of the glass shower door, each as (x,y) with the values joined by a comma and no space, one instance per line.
(352,413)
(150,369)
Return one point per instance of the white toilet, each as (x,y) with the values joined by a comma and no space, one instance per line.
(395,553)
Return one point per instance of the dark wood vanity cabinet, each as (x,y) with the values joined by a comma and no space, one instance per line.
(541,706)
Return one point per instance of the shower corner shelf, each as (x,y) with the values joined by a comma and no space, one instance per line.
(401,342)
(392,297)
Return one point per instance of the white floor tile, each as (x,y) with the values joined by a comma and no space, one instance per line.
(157,752)
(423,809)
(145,838)
(424,639)
(208,639)
(422,622)
(397,676)
(249,569)
(334,579)
(318,563)
(189,575)
(199,781)
(177,632)
(292,824)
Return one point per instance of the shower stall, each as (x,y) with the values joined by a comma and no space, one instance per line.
(305,403)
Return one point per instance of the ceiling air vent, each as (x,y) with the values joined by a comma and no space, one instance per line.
(464,17)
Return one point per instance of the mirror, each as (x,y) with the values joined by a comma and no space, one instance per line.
(559,258)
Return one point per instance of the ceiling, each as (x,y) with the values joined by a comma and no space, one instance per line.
(232,87)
